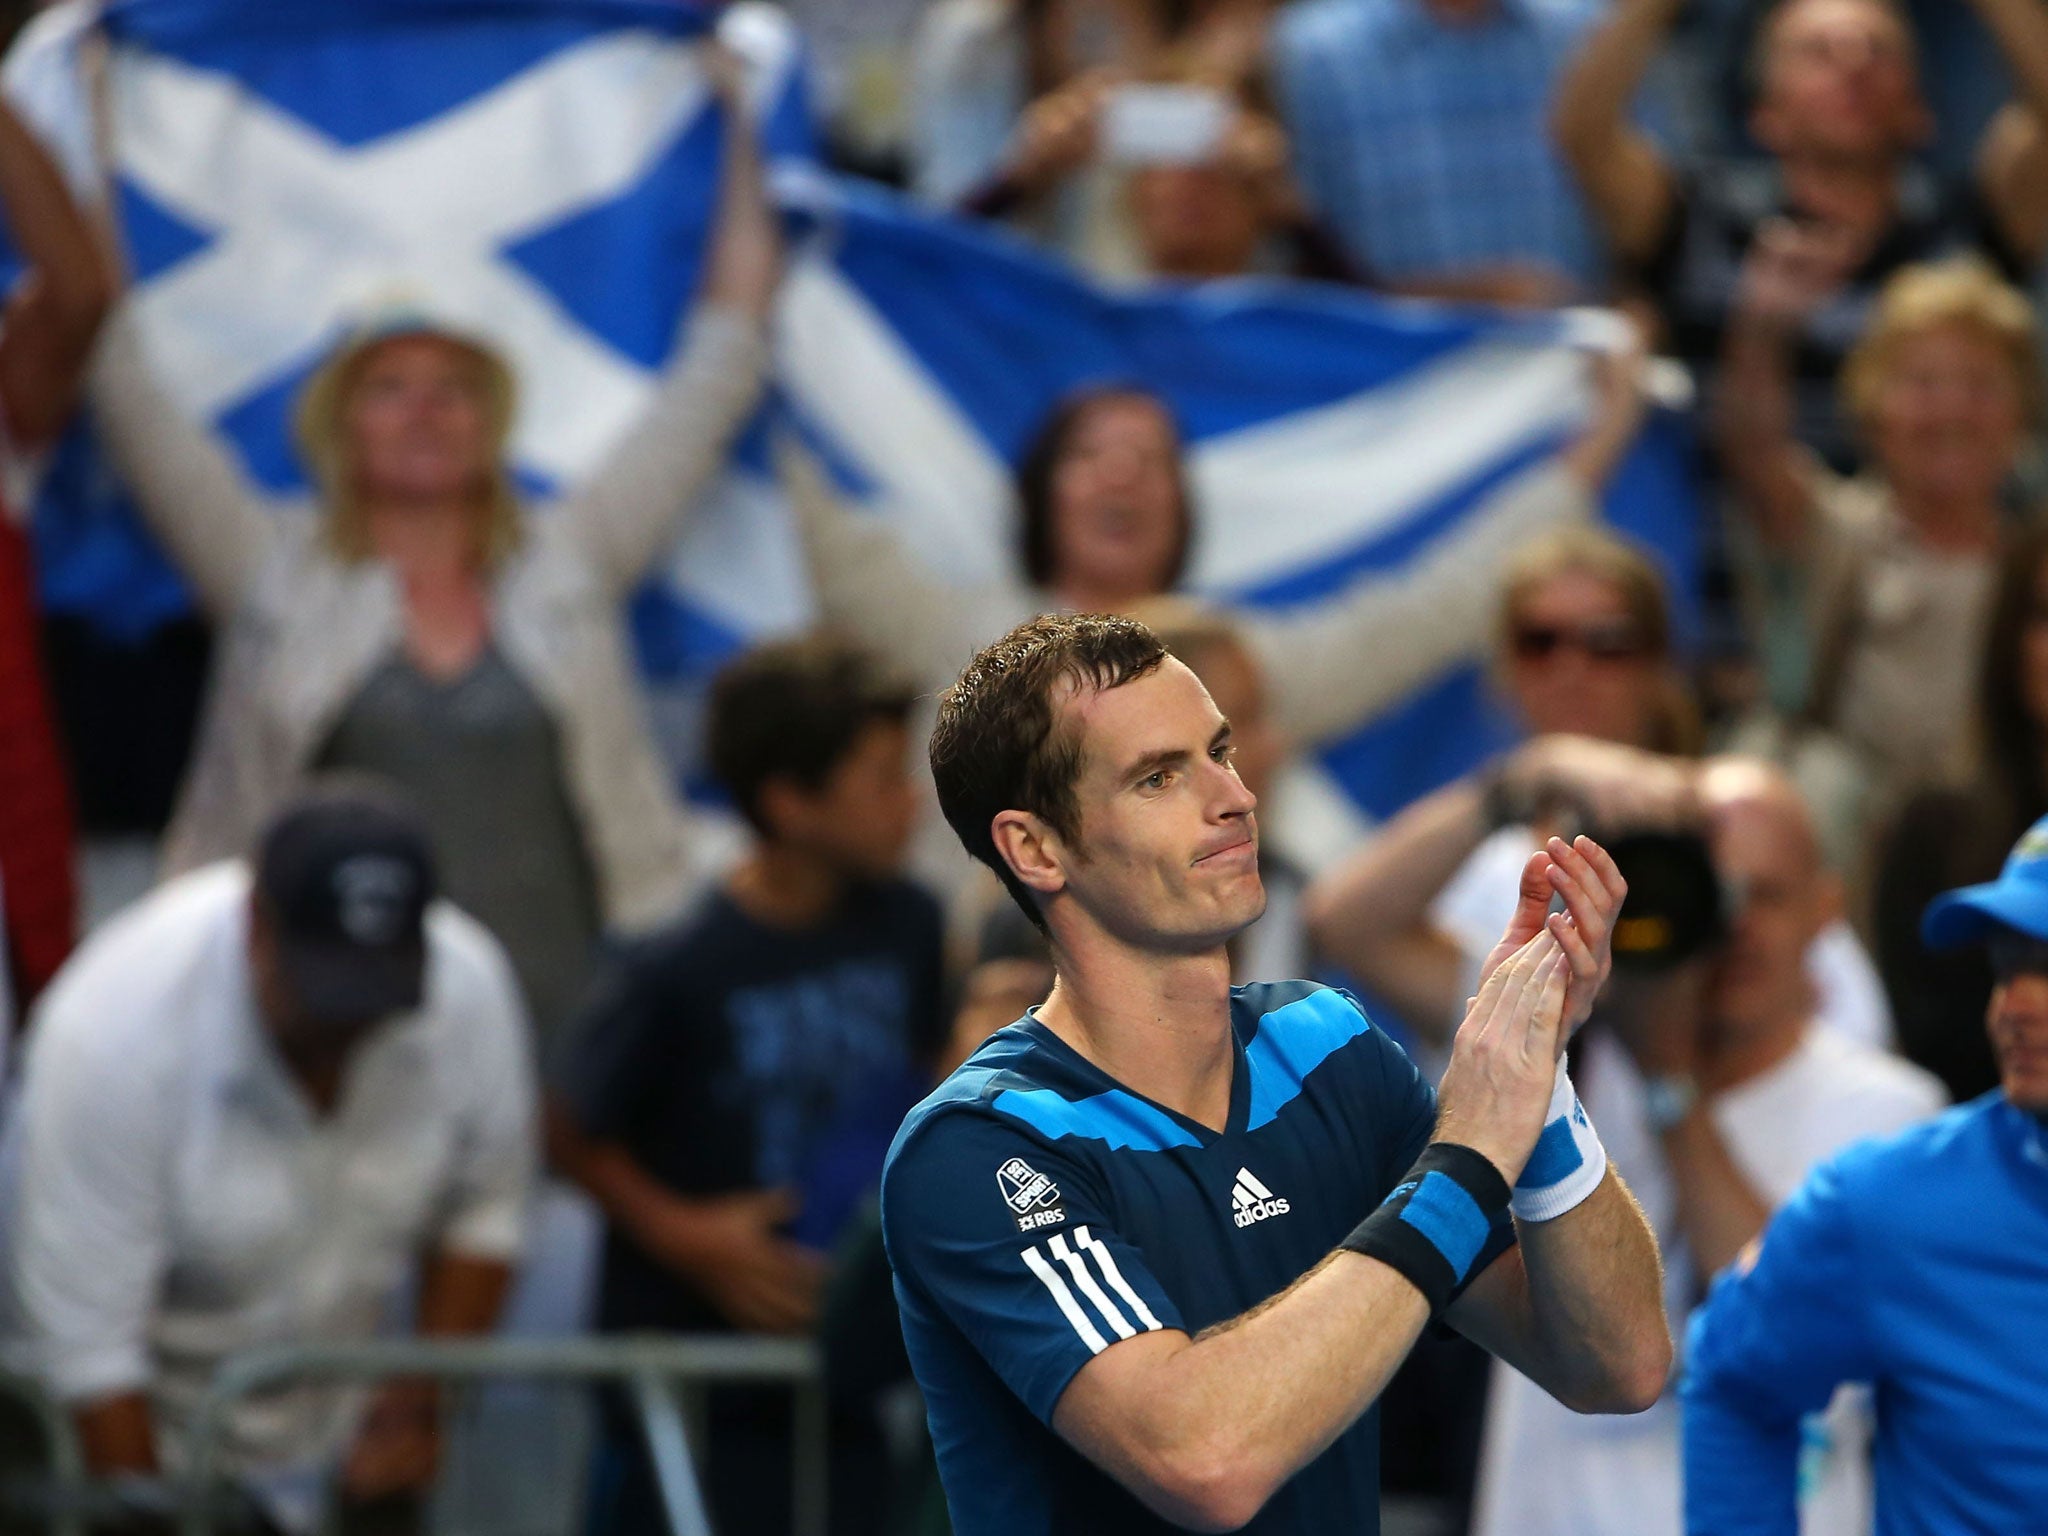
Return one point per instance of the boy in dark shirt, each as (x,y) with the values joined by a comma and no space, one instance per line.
(731,1090)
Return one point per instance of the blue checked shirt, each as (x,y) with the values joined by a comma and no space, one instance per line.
(1426,146)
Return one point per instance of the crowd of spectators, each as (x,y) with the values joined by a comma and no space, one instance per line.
(437,928)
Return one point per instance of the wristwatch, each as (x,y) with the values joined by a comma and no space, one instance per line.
(1667,1099)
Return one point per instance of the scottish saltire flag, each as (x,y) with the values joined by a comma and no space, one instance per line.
(539,172)
(1333,434)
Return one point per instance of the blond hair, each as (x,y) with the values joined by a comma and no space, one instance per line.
(319,420)
(1961,290)
(1613,561)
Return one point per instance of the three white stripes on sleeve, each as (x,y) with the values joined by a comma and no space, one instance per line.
(1084,1277)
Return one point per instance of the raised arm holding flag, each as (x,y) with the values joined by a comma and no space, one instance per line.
(423,624)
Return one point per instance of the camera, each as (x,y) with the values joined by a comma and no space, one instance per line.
(1675,908)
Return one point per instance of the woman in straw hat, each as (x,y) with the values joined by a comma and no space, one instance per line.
(423,625)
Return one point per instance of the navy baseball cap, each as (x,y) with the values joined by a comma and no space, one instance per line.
(2017,899)
(346,874)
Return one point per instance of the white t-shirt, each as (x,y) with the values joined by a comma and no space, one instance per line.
(177,1198)
(1546,1471)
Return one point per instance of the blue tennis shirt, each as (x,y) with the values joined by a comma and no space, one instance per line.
(1918,1263)
(1037,1212)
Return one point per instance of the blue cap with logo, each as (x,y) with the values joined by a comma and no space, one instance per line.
(2017,899)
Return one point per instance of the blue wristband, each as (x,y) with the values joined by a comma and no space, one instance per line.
(1569,1162)
(1433,1225)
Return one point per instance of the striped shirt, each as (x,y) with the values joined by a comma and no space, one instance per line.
(1038,1213)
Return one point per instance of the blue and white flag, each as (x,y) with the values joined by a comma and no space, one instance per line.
(541,172)
(538,172)
(1331,434)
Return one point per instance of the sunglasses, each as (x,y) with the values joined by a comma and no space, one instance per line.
(1598,642)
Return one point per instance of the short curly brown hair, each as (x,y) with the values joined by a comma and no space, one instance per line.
(997,745)
(793,710)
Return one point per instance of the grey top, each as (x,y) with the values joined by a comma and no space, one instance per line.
(483,760)
(301,627)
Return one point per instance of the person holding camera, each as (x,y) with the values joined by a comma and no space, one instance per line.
(1584,661)
(1711,1062)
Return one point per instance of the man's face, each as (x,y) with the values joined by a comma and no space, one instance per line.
(1232,678)
(2018,1018)
(1839,81)
(1168,854)
(300,1035)
(1196,221)
(860,819)
(1765,856)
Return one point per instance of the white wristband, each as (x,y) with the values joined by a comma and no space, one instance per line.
(1568,1163)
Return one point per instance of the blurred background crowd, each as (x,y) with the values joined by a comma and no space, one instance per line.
(386,954)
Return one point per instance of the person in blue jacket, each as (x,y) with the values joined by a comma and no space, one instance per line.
(1917,1263)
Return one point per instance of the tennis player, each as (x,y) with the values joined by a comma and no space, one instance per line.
(1160,1243)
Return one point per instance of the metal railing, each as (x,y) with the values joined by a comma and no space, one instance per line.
(654,1369)
(61,1504)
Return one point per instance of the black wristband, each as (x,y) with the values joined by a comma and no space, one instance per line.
(1436,1221)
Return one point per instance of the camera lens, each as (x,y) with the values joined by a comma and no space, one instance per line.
(1673,910)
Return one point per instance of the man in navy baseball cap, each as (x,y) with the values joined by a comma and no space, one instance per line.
(343,880)
(252,1105)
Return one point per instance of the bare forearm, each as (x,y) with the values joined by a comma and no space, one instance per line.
(1371,912)
(1753,418)
(1388,887)
(48,228)
(462,1294)
(1229,1417)
(746,257)
(1718,1212)
(117,1435)
(50,319)
(1593,455)
(2021,30)
(1593,100)
(1596,1333)
(628,1195)
(1620,170)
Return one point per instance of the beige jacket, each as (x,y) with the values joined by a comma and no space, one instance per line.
(1330,667)
(301,629)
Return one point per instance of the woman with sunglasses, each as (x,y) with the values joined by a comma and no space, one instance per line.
(1585,649)
(1584,664)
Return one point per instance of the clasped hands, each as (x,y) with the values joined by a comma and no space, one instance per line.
(1536,988)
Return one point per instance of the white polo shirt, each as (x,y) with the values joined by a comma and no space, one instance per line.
(178,1198)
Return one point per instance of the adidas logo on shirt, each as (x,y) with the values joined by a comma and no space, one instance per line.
(1251,1201)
